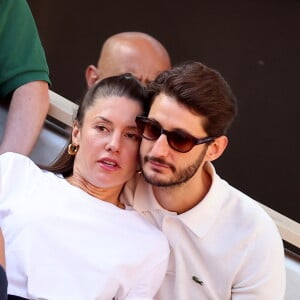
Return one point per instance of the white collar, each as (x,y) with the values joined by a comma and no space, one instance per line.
(201,217)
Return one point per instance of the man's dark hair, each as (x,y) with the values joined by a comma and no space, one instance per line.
(203,91)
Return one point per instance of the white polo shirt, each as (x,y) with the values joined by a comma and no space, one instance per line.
(226,247)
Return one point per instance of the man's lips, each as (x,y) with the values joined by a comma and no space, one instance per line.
(157,163)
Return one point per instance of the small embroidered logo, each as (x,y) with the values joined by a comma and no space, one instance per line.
(196,279)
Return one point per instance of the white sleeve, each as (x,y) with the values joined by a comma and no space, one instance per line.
(262,275)
(3,158)
(149,282)
(13,168)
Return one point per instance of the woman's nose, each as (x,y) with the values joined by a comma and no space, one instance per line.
(113,144)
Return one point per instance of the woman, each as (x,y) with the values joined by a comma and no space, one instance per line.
(67,236)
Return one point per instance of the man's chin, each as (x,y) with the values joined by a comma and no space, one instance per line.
(157,181)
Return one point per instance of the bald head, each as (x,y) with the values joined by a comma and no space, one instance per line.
(130,52)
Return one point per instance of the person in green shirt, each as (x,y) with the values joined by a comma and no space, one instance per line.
(24,77)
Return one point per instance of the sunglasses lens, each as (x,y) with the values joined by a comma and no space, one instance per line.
(152,131)
(177,139)
(180,141)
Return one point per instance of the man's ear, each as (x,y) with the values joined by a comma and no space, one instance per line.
(216,148)
(91,75)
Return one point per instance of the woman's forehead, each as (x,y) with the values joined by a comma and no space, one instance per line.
(115,107)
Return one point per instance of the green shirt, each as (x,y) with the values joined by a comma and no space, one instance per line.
(22,57)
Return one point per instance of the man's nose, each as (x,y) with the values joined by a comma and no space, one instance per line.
(160,146)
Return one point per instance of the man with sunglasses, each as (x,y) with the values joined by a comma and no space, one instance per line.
(223,244)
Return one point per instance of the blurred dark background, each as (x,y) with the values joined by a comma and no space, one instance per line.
(254,44)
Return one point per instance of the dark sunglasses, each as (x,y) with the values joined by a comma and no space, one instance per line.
(178,140)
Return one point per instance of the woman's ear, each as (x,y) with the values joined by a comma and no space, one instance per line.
(75,133)
(216,148)
(91,75)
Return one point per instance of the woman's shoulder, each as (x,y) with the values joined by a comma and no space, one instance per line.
(15,159)
(14,165)
(13,156)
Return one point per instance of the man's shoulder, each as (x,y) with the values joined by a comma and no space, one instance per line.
(250,217)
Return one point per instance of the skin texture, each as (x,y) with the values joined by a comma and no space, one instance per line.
(176,174)
(26,115)
(2,254)
(108,147)
(130,52)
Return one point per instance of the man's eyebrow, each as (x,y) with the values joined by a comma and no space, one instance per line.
(132,127)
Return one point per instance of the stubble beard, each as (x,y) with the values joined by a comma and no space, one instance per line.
(179,177)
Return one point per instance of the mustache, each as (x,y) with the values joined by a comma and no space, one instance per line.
(160,161)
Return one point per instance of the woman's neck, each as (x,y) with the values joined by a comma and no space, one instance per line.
(110,195)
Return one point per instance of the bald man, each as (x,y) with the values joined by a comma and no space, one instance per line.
(130,52)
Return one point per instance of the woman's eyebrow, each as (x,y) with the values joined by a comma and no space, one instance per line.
(110,122)
(104,119)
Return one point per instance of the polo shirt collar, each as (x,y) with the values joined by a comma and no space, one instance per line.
(144,199)
(200,218)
